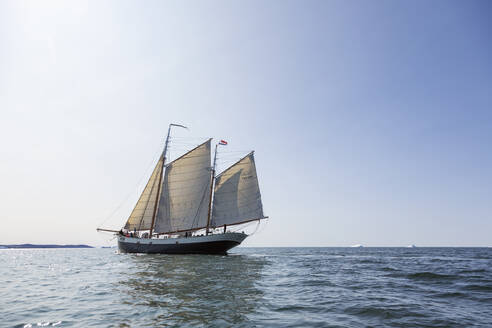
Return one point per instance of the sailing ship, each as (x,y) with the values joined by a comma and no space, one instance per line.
(186,209)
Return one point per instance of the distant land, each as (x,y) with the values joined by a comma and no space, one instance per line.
(43,246)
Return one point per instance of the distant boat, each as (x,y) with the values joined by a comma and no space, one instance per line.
(184,204)
(412,246)
(357,246)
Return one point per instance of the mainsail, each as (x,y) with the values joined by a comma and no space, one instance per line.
(185,192)
(141,216)
(237,196)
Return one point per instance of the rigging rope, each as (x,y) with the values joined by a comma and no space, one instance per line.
(107,241)
(132,192)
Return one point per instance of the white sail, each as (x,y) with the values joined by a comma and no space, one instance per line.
(237,194)
(141,216)
(185,192)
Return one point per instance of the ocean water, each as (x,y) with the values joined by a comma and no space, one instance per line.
(252,287)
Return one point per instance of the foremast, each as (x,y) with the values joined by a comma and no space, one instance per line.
(159,185)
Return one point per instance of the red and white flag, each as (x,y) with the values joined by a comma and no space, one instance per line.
(223,143)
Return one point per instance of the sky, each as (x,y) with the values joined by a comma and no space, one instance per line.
(371,121)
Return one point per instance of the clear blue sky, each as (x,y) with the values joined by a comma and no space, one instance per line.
(371,120)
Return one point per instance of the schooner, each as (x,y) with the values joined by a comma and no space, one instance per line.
(184,204)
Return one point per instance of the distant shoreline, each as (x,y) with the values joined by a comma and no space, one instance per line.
(43,246)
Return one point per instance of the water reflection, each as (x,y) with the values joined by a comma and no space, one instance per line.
(174,290)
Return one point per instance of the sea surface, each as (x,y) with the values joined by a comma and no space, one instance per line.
(251,287)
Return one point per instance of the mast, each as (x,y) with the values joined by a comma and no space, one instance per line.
(159,186)
(221,143)
(211,190)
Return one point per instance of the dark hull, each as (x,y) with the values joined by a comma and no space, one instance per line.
(219,247)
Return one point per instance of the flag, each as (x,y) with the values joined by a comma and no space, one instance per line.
(223,143)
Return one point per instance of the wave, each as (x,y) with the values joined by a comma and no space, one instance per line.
(478,288)
(386,312)
(426,275)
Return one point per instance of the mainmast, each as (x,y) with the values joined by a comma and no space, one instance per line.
(211,190)
(159,186)
(221,143)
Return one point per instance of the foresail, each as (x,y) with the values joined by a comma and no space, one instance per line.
(141,216)
(185,192)
(237,194)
